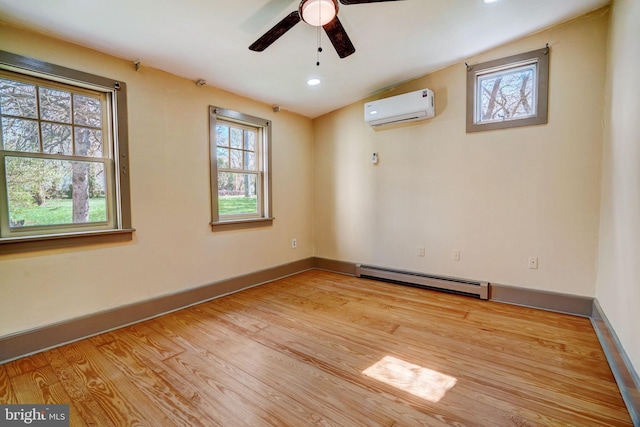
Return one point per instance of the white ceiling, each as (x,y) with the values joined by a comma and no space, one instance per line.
(208,39)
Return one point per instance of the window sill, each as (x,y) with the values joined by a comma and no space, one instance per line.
(506,124)
(66,240)
(239,224)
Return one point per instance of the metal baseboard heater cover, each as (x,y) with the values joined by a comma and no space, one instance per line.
(450,284)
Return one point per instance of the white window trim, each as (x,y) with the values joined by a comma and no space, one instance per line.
(541,58)
(264,218)
(122,228)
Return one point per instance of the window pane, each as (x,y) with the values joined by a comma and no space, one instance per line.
(237,193)
(223,157)
(20,135)
(507,95)
(236,159)
(87,111)
(249,140)
(236,138)
(54,192)
(250,161)
(88,142)
(55,105)
(97,190)
(56,139)
(17,99)
(222,136)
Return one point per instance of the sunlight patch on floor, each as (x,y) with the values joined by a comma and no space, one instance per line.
(417,380)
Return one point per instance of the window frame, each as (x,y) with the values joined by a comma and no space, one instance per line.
(264,216)
(119,228)
(540,58)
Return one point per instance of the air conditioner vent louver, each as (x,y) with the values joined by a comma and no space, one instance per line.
(460,286)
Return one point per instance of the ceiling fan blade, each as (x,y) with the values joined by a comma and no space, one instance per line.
(276,32)
(339,38)
(348,2)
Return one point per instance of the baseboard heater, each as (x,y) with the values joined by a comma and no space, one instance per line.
(448,284)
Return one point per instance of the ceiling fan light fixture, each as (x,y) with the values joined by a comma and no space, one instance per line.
(318,12)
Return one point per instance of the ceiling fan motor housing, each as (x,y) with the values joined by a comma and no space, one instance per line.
(318,12)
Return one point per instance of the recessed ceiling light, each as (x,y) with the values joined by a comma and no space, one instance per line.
(313,82)
(489,1)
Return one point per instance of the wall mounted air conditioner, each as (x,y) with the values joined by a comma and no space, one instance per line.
(408,107)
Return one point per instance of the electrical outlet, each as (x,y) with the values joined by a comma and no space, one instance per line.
(533,262)
(456,255)
(421,251)
(294,243)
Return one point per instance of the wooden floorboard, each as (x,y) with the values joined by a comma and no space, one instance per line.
(325,349)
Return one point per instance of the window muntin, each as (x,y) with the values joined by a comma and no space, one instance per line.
(240,167)
(508,92)
(54,120)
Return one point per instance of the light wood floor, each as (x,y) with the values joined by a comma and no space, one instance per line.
(294,353)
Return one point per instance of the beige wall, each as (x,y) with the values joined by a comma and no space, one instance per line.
(173,248)
(499,197)
(618,285)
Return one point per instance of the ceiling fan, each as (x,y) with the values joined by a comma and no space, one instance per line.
(318,13)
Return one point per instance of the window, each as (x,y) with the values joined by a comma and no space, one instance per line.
(240,169)
(508,92)
(63,154)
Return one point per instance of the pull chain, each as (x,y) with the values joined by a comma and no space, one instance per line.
(319,38)
(319,48)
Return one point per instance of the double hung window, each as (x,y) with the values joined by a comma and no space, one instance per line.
(59,147)
(240,168)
